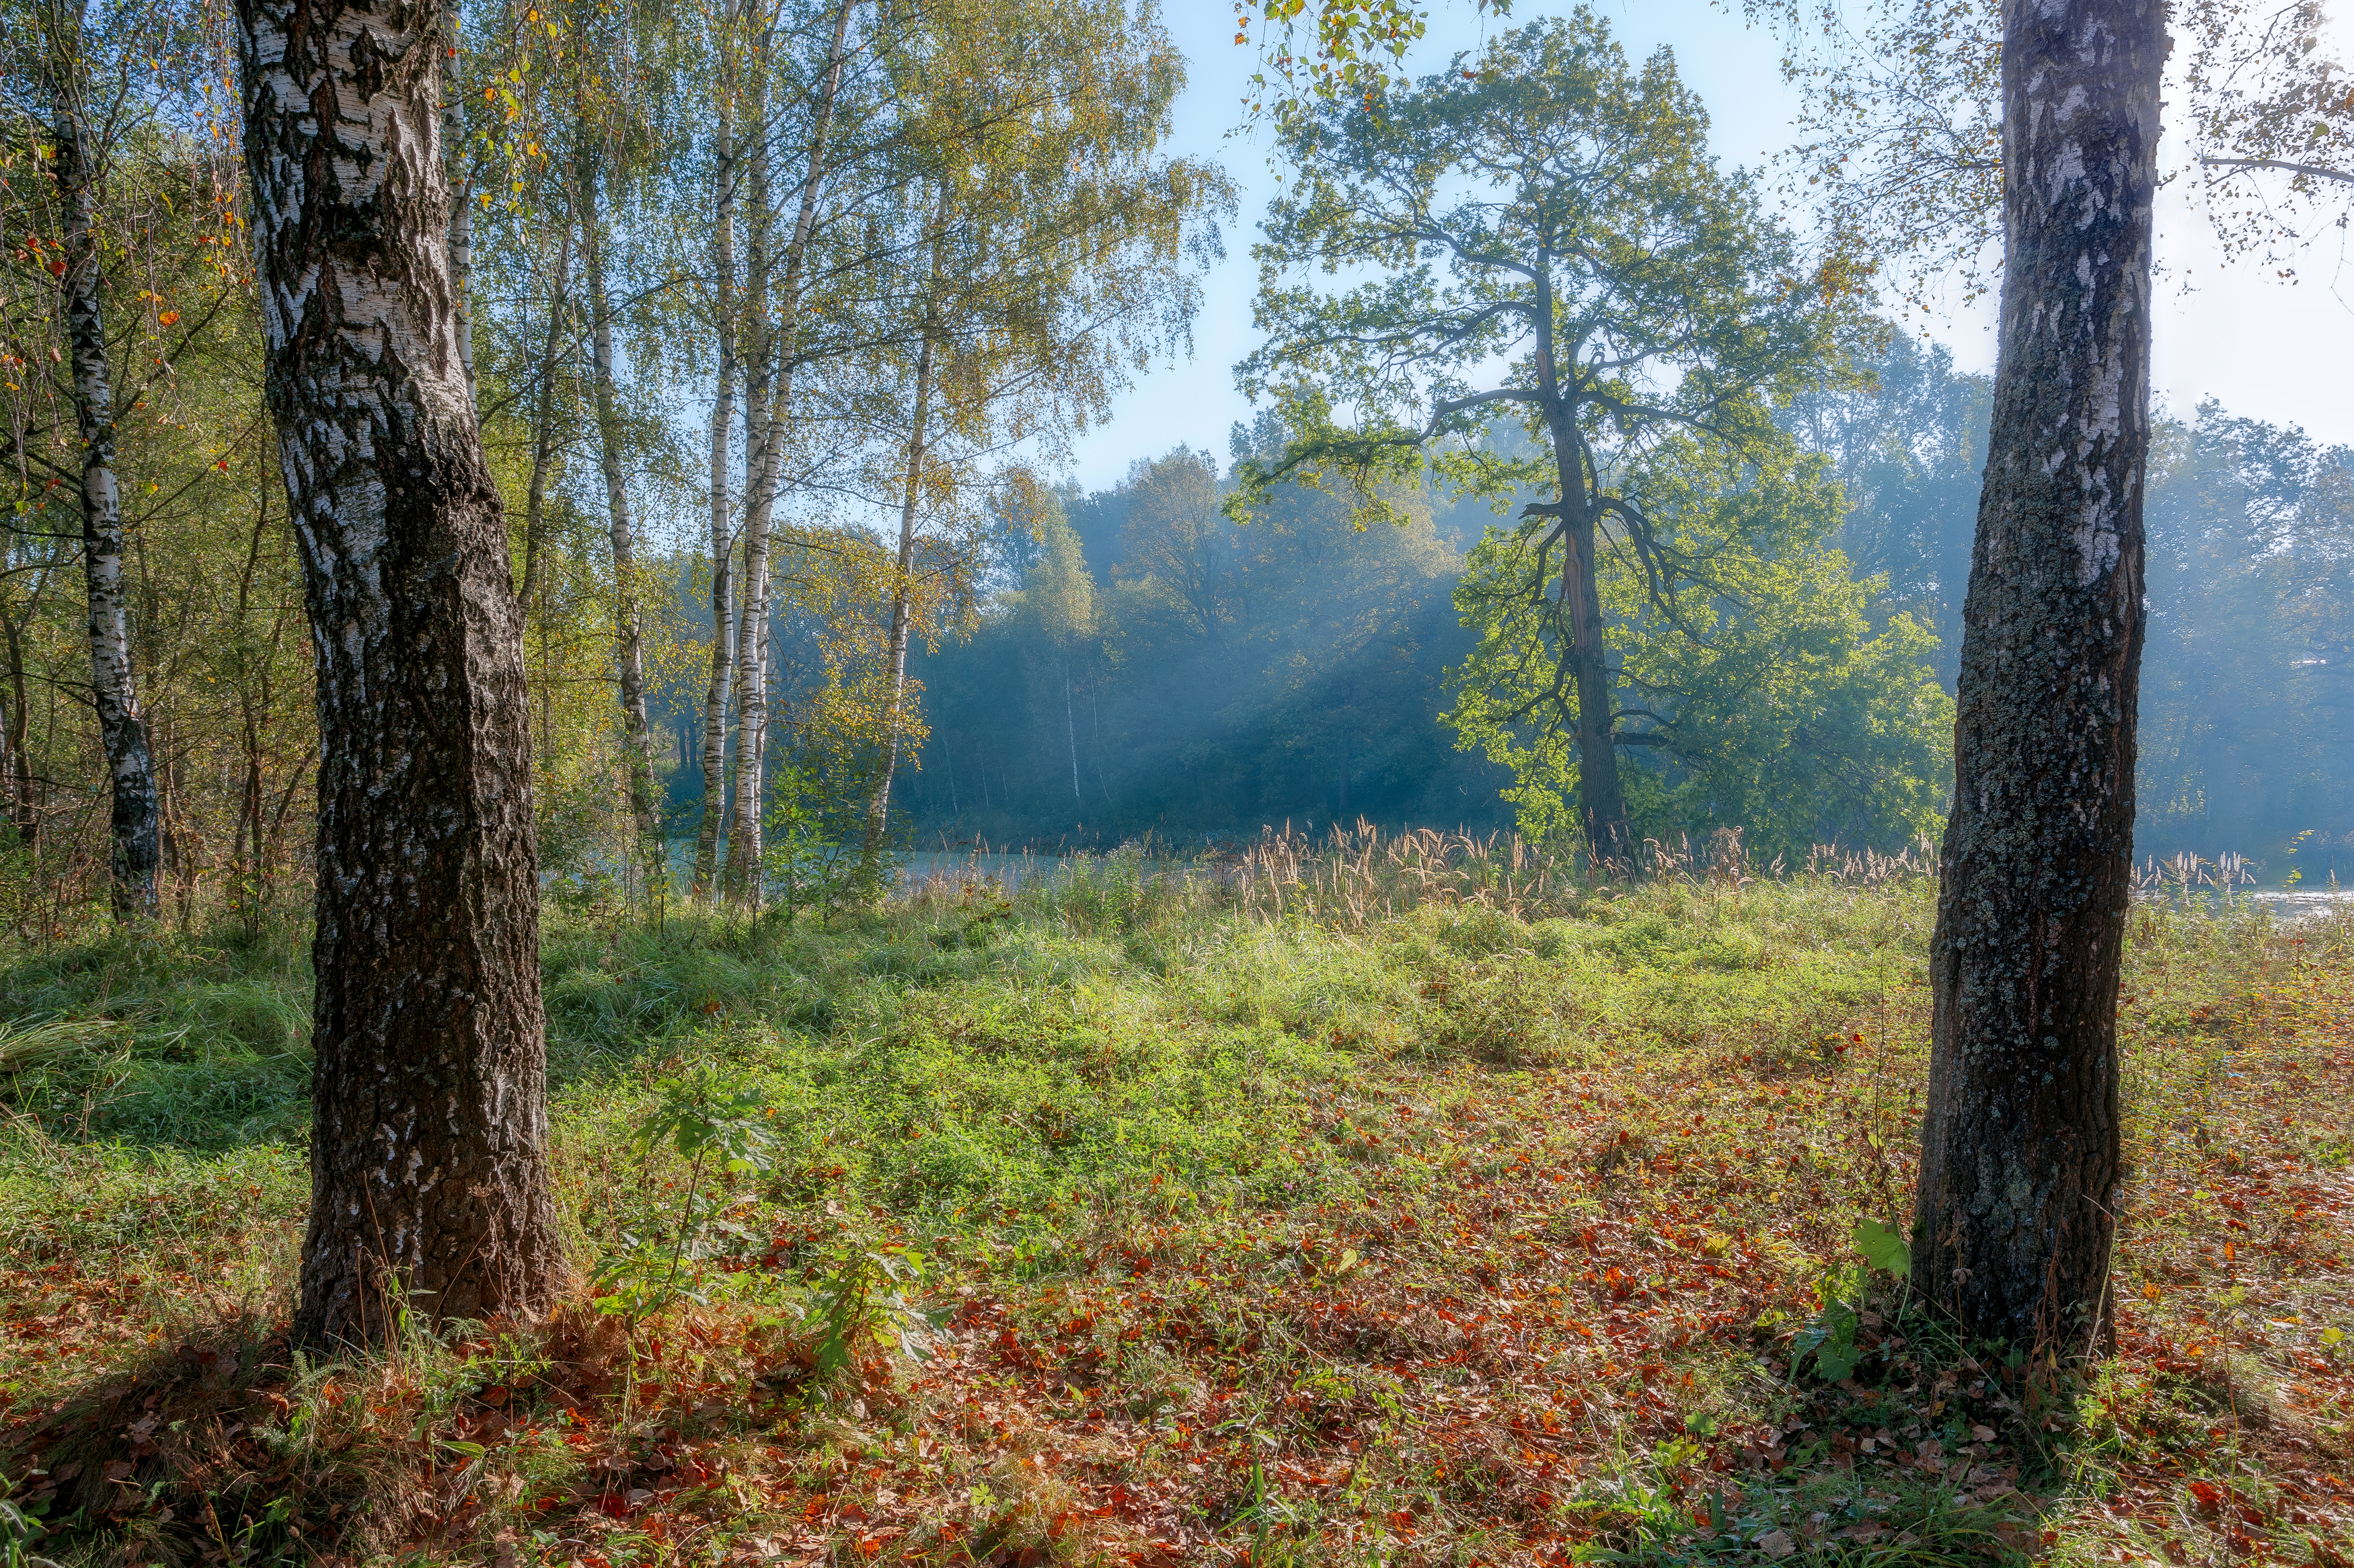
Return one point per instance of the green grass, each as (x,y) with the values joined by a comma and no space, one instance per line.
(1436,1233)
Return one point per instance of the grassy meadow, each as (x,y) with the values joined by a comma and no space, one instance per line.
(1399,1203)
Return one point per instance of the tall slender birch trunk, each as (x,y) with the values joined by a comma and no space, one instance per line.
(878,811)
(779,345)
(740,876)
(429,1185)
(628,645)
(2021,1154)
(135,827)
(723,421)
(543,420)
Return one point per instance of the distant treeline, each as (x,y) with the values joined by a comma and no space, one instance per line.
(1144,665)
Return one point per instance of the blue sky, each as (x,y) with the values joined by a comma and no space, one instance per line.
(2265,348)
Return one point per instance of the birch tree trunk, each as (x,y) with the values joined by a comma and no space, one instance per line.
(543,445)
(628,643)
(878,811)
(428,1152)
(723,421)
(2020,1150)
(740,878)
(776,352)
(135,827)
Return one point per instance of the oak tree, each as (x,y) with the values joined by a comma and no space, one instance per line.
(1539,234)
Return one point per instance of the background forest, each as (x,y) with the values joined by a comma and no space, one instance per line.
(776,396)
(1151,666)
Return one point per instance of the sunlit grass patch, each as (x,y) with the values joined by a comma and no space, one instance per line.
(1458,1233)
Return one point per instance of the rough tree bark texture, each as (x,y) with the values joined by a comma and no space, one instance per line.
(429,1160)
(461,192)
(629,645)
(2021,1147)
(136,834)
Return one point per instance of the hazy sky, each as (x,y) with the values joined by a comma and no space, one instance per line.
(2262,348)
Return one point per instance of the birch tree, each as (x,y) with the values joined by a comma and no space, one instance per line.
(725,173)
(429,1176)
(776,297)
(76,167)
(2022,1147)
(1053,254)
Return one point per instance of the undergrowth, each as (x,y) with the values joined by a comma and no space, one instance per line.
(1137,1218)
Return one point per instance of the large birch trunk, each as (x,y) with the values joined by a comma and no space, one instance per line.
(430,1182)
(135,827)
(628,643)
(2020,1150)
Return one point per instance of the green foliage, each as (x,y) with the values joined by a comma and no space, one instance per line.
(1883,1248)
(1551,239)
(719,1130)
(815,857)
(866,1293)
(1760,692)
(1544,235)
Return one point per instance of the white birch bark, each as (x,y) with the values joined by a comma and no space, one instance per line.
(723,421)
(777,359)
(629,645)
(135,826)
(429,1148)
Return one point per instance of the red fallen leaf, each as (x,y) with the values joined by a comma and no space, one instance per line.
(2208,1494)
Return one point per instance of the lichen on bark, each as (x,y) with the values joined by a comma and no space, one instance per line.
(2021,1150)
